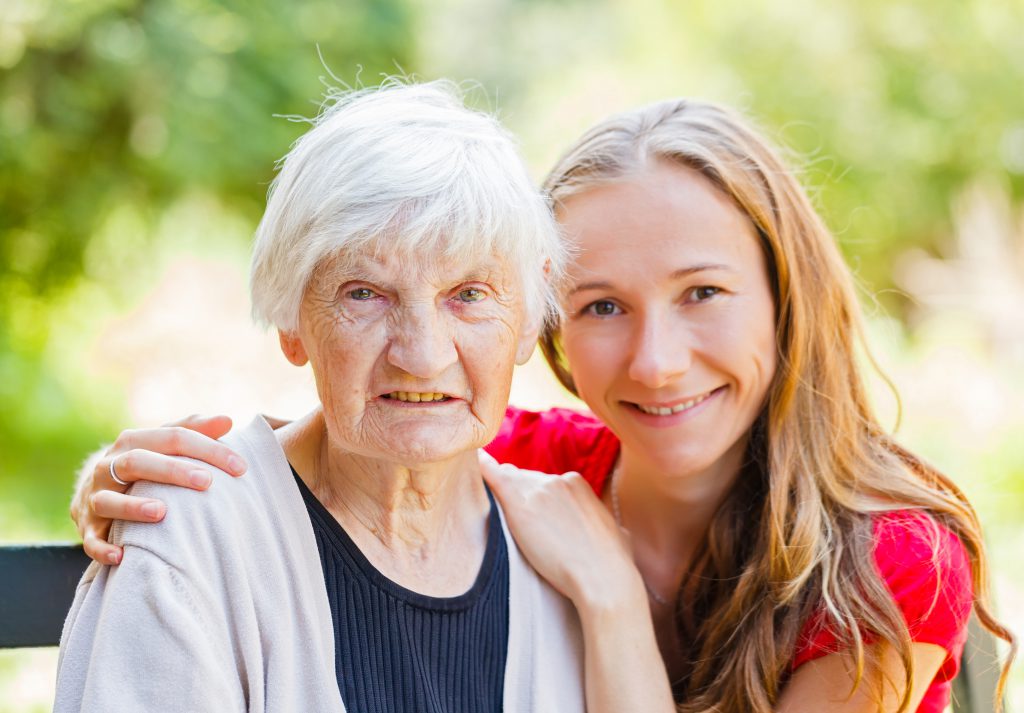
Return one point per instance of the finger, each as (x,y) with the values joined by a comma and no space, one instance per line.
(489,468)
(180,441)
(118,506)
(100,550)
(501,476)
(212,426)
(139,464)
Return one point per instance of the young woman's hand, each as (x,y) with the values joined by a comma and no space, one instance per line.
(572,541)
(567,535)
(146,454)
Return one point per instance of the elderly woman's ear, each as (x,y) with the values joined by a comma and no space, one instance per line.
(530,333)
(292,347)
(527,342)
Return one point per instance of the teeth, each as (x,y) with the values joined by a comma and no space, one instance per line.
(666,411)
(415,396)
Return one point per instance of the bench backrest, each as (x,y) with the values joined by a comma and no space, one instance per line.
(37,584)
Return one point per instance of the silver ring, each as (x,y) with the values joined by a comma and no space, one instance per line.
(113,473)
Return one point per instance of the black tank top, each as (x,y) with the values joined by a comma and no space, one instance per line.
(398,651)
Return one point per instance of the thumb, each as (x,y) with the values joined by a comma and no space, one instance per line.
(490,468)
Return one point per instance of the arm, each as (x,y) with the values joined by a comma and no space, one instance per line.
(142,637)
(572,541)
(145,454)
(926,569)
(569,537)
(827,684)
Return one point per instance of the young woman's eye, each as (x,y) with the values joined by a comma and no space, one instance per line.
(362,294)
(602,308)
(704,293)
(470,294)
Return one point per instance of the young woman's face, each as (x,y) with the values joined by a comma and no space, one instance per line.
(669,327)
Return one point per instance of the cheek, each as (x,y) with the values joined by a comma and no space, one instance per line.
(754,353)
(342,355)
(487,348)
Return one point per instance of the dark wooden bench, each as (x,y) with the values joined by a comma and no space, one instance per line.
(37,584)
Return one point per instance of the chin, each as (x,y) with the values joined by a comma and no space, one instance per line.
(677,459)
(412,449)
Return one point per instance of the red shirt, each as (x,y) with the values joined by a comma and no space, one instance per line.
(923,564)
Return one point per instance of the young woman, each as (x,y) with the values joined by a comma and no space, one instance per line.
(792,556)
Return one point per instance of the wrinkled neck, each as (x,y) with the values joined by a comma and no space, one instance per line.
(411,510)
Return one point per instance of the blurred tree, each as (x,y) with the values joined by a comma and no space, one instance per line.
(111,111)
(893,108)
(116,102)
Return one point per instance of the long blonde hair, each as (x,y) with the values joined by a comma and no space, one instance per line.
(794,538)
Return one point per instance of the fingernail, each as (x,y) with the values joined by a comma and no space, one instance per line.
(199,478)
(113,558)
(236,464)
(151,510)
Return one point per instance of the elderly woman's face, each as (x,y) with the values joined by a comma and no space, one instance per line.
(413,357)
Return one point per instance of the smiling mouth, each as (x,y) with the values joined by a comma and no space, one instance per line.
(658,410)
(416,397)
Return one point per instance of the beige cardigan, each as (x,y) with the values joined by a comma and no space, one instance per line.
(223,607)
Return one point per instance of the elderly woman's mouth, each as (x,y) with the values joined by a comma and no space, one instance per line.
(417,397)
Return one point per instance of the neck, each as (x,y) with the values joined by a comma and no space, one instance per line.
(411,511)
(668,514)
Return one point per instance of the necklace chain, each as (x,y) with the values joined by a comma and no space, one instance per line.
(617,512)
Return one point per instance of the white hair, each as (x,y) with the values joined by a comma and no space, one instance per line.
(402,168)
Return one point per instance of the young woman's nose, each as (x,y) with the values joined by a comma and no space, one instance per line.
(660,352)
(421,344)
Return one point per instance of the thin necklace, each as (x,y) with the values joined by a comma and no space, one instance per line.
(614,486)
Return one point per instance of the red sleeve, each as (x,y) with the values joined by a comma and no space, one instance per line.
(556,441)
(927,570)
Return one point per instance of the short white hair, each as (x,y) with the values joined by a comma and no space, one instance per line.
(402,168)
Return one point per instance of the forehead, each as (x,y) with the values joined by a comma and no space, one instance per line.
(665,217)
(416,268)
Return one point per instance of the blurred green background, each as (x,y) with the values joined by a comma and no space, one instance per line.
(137,140)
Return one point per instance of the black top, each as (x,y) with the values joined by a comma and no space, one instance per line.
(396,650)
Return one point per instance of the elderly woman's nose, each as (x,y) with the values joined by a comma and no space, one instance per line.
(421,343)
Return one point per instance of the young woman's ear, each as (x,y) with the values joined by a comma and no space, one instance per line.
(292,347)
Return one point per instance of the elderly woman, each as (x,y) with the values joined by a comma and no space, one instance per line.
(362,563)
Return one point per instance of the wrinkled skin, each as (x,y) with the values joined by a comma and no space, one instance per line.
(414,325)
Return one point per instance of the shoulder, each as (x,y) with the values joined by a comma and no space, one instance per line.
(912,544)
(555,441)
(231,512)
(927,569)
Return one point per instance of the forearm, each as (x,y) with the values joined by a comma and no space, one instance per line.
(623,666)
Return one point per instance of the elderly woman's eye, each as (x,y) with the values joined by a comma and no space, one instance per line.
(470,294)
(362,293)
(602,308)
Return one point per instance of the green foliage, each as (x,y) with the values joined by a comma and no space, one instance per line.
(121,108)
(116,103)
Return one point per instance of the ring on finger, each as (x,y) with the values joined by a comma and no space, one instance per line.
(113,473)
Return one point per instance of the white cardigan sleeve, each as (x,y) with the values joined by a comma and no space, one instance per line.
(141,637)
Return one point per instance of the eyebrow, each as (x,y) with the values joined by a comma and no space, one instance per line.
(678,274)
